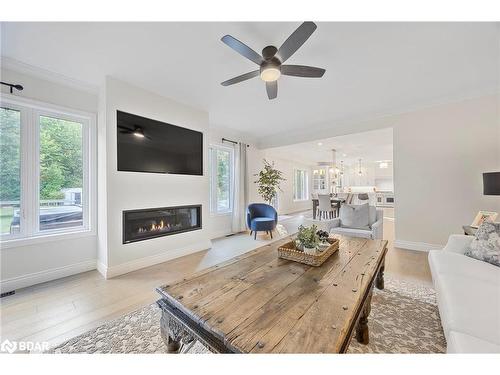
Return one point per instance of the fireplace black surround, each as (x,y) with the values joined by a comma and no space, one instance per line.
(144,224)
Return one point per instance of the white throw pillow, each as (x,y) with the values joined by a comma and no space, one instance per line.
(355,216)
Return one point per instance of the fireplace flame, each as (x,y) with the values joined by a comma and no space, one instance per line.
(155,227)
(158,226)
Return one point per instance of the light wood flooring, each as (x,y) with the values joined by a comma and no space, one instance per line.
(61,309)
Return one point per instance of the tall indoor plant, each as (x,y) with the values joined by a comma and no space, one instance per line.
(269,181)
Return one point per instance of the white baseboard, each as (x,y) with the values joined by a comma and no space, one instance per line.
(24,281)
(419,246)
(120,269)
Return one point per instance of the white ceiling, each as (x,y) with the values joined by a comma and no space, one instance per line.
(371,68)
(369,146)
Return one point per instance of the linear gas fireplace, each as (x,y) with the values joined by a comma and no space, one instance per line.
(149,223)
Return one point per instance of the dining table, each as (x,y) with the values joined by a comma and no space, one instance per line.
(335,202)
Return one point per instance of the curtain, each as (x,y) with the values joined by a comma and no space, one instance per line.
(240,195)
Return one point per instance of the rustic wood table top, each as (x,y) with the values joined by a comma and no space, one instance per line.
(258,303)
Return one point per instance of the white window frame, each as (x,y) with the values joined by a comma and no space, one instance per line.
(213,179)
(305,182)
(31,110)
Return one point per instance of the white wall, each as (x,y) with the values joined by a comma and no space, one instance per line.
(50,92)
(131,190)
(34,263)
(440,154)
(286,204)
(439,157)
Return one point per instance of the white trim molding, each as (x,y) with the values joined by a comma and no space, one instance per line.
(24,281)
(47,75)
(134,265)
(418,246)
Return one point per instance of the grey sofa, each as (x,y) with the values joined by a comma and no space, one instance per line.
(374,230)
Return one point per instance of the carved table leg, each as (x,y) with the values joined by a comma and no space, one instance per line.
(379,282)
(362,334)
(171,332)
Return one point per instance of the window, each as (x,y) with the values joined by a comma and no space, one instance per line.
(61,174)
(300,188)
(45,169)
(10,169)
(221,179)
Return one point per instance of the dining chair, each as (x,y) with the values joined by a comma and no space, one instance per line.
(325,206)
(314,197)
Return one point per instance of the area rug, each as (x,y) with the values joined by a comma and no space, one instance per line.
(404,319)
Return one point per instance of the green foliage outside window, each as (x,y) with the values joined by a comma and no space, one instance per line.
(223,179)
(61,164)
(10,133)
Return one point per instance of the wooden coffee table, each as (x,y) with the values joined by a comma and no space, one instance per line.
(257,303)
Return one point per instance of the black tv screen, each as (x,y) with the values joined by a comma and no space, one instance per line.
(146,145)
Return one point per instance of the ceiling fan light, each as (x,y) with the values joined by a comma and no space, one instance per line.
(138,132)
(270,74)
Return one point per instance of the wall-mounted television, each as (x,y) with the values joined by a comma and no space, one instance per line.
(146,145)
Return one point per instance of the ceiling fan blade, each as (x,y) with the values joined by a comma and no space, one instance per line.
(241,78)
(302,71)
(124,129)
(272,89)
(242,49)
(294,41)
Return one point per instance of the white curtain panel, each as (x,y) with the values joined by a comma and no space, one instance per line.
(240,196)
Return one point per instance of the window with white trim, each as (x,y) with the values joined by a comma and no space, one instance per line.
(44,170)
(300,185)
(221,179)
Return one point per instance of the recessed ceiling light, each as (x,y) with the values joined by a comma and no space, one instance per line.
(320,144)
(344,155)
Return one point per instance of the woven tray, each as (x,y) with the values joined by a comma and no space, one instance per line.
(290,252)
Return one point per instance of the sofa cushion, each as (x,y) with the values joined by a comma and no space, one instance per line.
(352,232)
(469,305)
(446,262)
(459,342)
(354,216)
(486,244)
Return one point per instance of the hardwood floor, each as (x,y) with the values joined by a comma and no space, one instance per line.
(61,309)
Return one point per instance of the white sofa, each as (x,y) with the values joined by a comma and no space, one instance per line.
(468,295)
(374,231)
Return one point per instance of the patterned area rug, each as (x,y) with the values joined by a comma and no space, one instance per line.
(404,319)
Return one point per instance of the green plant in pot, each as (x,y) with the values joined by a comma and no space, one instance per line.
(269,181)
(307,239)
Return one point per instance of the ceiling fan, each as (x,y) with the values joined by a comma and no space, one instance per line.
(272,59)
(137,131)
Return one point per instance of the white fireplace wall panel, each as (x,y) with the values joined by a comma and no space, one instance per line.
(133,190)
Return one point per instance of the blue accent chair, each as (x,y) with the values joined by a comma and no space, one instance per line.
(261,217)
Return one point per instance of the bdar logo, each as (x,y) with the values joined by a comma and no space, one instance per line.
(8,346)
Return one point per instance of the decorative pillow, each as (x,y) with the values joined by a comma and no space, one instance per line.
(486,245)
(354,216)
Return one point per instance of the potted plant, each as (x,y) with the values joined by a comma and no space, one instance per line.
(307,239)
(323,239)
(269,181)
